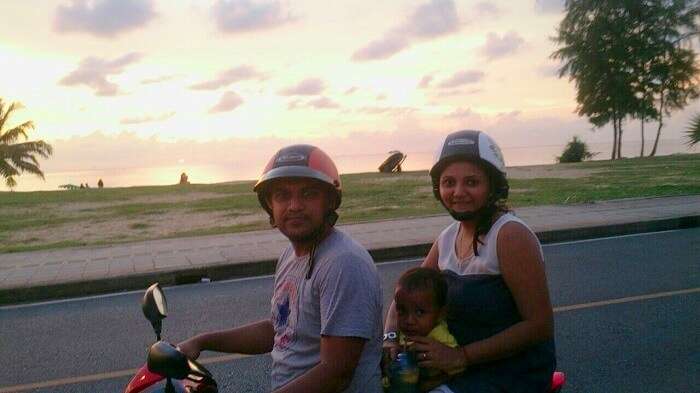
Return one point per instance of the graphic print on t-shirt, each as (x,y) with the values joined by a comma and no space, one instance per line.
(284,314)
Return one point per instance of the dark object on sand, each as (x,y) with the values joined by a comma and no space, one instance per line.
(69,186)
(393,163)
(183,178)
(100,184)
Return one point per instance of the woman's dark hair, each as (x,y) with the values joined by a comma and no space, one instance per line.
(423,278)
(496,203)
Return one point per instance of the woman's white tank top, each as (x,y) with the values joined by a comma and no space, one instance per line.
(487,260)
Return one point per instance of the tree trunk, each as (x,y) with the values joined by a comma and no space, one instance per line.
(614,149)
(658,130)
(619,138)
(641,152)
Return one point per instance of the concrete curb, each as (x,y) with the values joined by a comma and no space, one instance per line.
(265,267)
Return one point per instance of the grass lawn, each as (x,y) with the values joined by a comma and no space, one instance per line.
(53,219)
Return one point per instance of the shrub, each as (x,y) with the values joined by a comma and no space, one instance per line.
(693,132)
(575,151)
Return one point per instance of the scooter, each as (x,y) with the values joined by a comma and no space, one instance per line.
(183,375)
(165,361)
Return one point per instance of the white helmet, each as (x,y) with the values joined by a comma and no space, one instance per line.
(475,146)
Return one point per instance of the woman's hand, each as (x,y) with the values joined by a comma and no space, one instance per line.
(191,348)
(433,354)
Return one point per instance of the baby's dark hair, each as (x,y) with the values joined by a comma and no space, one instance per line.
(423,278)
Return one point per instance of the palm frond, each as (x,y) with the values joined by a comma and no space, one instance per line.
(7,170)
(10,182)
(11,136)
(5,113)
(693,132)
(29,167)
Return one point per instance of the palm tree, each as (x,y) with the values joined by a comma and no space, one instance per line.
(693,132)
(19,157)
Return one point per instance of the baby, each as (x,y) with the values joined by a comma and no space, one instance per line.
(420,298)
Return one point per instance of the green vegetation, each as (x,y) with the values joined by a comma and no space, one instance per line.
(18,157)
(693,131)
(31,220)
(630,59)
(575,151)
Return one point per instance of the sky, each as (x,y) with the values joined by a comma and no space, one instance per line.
(216,87)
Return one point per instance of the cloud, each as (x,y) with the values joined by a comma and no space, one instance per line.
(457,92)
(549,6)
(462,113)
(103,18)
(425,82)
(93,73)
(496,46)
(461,78)
(383,48)
(317,103)
(158,79)
(387,110)
(237,16)
(487,8)
(429,20)
(307,87)
(323,103)
(146,118)
(350,90)
(228,102)
(225,78)
(381,97)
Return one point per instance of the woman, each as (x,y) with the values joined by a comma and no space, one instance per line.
(498,303)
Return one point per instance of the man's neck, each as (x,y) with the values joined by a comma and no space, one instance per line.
(304,248)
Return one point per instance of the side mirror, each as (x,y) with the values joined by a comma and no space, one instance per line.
(154,307)
(166,360)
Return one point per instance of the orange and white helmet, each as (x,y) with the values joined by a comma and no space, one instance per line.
(300,161)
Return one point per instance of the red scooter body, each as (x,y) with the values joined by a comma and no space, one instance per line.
(146,381)
(167,369)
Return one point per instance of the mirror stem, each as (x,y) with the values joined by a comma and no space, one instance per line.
(169,388)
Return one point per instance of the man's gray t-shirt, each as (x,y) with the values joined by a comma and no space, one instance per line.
(341,298)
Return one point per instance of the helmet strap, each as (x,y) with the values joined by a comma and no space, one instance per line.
(463,216)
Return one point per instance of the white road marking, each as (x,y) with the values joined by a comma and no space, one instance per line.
(413,260)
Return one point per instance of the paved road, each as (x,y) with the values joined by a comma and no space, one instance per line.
(627,320)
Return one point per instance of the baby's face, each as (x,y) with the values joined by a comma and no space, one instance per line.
(417,314)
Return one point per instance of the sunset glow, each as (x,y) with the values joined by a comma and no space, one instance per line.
(117,84)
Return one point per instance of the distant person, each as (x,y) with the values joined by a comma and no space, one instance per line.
(82,185)
(100,184)
(498,305)
(183,178)
(324,331)
(87,185)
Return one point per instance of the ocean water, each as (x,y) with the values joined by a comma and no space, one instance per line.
(355,163)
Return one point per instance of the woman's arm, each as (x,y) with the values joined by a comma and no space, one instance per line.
(523,271)
(522,268)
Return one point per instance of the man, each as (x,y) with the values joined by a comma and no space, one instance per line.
(325,328)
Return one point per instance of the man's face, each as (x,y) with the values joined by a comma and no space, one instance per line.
(299,207)
(416,311)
